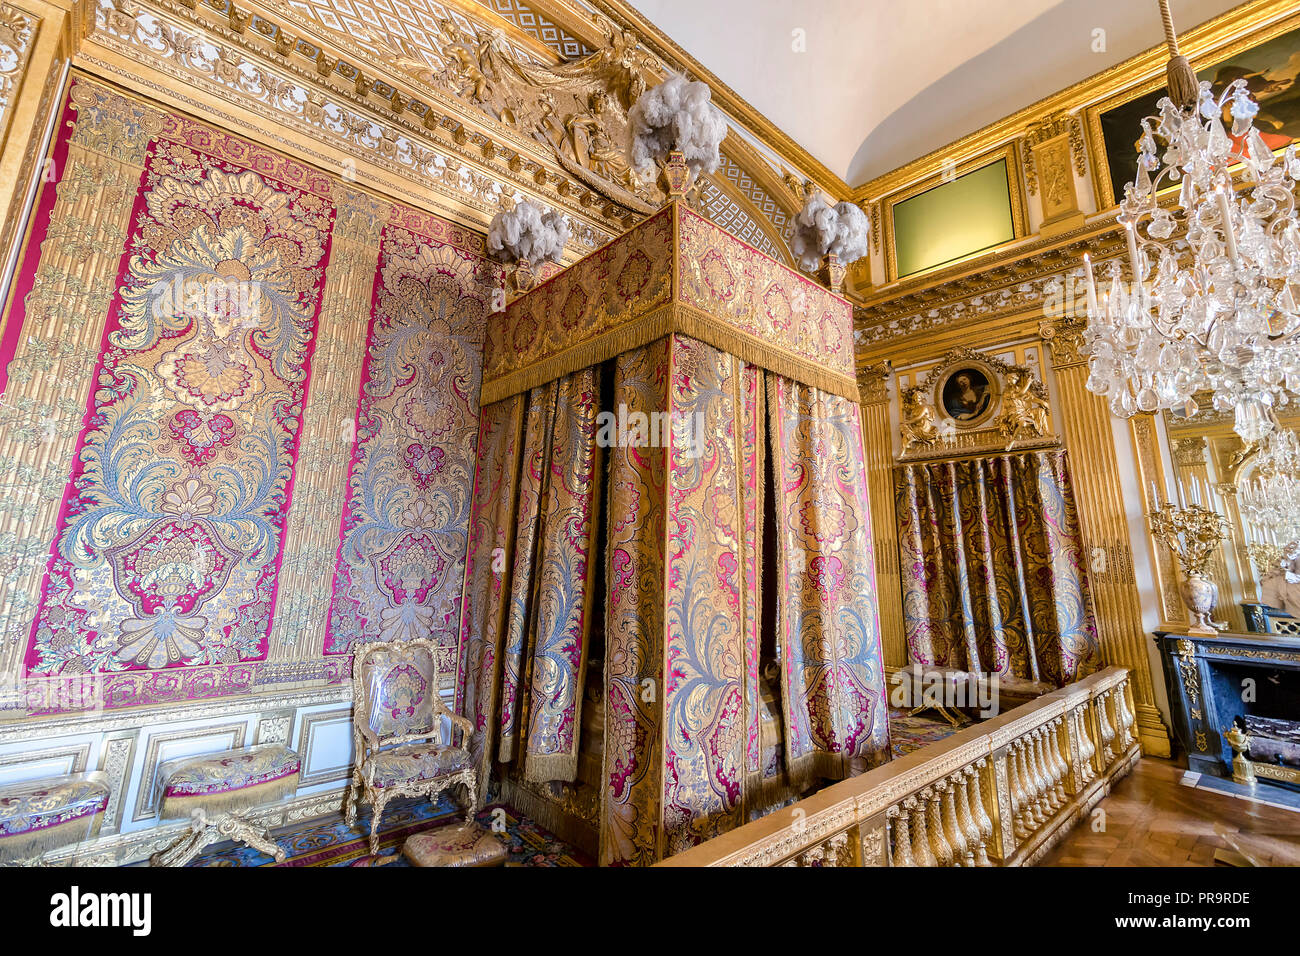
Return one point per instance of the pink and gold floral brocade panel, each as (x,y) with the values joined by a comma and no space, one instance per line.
(487,578)
(631,826)
(711,632)
(788,315)
(524,675)
(169,540)
(833,682)
(183,315)
(674,273)
(399,571)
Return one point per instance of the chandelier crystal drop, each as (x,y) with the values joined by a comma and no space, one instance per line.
(1211,304)
(1270,501)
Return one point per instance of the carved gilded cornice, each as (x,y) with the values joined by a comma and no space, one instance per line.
(1065,339)
(623,13)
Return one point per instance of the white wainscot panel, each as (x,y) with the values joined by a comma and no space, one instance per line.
(38,757)
(323,738)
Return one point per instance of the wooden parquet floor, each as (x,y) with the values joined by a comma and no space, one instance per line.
(1153,820)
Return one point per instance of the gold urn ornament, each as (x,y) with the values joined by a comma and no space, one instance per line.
(523,278)
(832,272)
(677,175)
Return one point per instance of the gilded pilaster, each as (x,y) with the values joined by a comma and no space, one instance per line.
(1094,465)
(325,449)
(37,38)
(53,367)
(878,446)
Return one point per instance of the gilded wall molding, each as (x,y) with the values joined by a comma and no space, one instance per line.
(1250,17)
(17,33)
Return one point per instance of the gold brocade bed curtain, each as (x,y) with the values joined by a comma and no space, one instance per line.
(730,380)
(530,590)
(683,588)
(993,567)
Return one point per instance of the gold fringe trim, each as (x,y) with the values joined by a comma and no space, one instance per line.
(543,768)
(273,791)
(25,846)
(567,826)
(673,318)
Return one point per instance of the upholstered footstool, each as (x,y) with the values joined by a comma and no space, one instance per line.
(44,814)
(214,789)
(466,844)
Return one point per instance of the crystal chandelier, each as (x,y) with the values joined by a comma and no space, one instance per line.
(1270,502)
(1210,304)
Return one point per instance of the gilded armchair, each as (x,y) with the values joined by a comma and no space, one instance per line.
(398,732)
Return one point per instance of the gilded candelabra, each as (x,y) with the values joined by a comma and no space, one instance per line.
(1193,533)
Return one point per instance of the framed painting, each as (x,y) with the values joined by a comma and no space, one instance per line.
(1268,60)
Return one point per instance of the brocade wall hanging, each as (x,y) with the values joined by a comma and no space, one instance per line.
(734,373)
(993,567)
(258,378)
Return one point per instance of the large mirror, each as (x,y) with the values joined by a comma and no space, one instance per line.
(1256,567)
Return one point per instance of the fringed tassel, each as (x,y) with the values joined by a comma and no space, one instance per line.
(565,825)
(273,791)
(35,843)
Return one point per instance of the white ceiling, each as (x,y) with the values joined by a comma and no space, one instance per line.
(885,81)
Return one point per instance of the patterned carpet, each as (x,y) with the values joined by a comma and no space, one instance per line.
(912,733)
(331,842)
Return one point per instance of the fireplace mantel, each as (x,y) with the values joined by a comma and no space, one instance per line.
(1207,681)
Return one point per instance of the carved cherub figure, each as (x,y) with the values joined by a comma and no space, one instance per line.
(920,426)
(1024,412)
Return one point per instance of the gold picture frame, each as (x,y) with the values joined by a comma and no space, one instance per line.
(984,390)
(1015,194)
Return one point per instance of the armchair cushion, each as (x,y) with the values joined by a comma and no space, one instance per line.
(40,815)
(412,762)
(230,780)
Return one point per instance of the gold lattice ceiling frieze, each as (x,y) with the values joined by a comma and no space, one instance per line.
(535,25)
(500,93)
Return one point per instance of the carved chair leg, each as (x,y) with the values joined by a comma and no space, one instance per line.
(232,826)
(187,847)
(376,811)
(471,799)
(351,799)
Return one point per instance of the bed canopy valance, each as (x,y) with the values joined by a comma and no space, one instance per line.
(670,480)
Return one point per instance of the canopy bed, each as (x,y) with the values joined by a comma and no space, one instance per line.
(669,504)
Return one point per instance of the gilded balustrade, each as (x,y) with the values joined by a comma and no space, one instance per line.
(998,793)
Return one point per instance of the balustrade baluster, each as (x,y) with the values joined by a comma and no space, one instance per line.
(921,851)
(952,829)
(1030,781)
(1041,747)
(983,822)
(1123,716)
(964,820)
(1087,748)
(1060,744)
(902,855)
(1019,794)
(938,842)
(1104,731)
